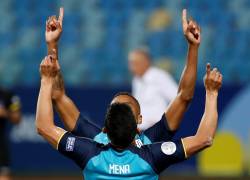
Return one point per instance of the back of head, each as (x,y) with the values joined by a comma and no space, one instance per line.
(120,125)
(126,97)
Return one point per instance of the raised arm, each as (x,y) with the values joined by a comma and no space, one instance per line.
(179,105)
(67,110)
(44,114)
(206,131)
(53,32)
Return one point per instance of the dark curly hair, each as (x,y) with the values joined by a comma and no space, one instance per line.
(120,125)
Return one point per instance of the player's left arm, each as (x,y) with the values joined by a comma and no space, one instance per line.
(44,114)
(76,148)
(64,105)
(167,153)
(179,105)
(164,154)
(208,125)
(165,128)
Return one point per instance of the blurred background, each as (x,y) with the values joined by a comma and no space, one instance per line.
(97,37)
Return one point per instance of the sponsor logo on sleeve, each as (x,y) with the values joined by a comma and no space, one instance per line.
(70,144)
(168,148)
(138,143)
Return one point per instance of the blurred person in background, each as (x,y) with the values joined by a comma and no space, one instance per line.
(10,111)
(155,88)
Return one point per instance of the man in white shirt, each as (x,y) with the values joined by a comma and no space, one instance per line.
(155,88)
(151,86)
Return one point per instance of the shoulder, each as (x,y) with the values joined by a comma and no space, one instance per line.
(164,154)
(85,127)
(161,72)
(155,72)
(101,138)
(143,139)
(79,149)
(143,152)
(81,145)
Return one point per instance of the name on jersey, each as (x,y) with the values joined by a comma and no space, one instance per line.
(119,169)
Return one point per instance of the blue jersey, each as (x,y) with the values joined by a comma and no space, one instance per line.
(99,161)
(157,133)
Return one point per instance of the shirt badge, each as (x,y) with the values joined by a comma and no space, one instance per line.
(168,148)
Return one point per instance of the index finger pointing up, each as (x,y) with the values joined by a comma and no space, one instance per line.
(208,68)
(184,17)
(60,18)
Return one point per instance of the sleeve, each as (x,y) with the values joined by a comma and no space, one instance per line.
(160,131)
(86,128)
(78,149)
(165,154)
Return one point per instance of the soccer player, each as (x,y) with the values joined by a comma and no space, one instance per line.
(10,111)
(161,131)
(120,159)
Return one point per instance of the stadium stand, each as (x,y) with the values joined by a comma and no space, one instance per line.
(98,35)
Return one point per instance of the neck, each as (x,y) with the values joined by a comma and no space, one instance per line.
(118,148)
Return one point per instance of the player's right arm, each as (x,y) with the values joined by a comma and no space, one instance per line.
(44,115)
(67,110)
(207,128)
(76,148)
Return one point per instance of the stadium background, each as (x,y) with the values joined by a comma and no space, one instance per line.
(97,36)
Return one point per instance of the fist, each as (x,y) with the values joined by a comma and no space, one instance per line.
(191,29)
(54,28)
(212,79)
(49,67)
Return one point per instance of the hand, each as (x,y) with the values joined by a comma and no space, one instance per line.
(212,79)
(49,66)
(54,28)
(191,29)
